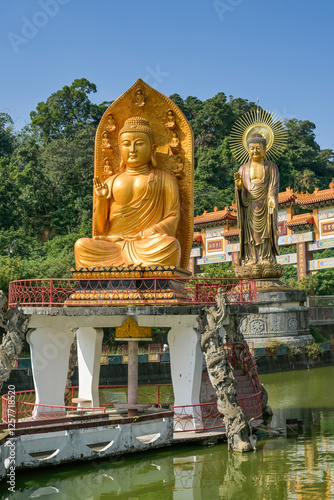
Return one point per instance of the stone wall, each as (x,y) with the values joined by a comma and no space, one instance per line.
(283,363)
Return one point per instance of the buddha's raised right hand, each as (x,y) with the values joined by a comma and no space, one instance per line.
(101,188)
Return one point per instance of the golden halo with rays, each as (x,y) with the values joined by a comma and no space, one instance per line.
(266,123)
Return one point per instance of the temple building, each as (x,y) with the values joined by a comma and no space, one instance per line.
(305,220)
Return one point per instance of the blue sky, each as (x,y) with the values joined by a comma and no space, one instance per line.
(277,50)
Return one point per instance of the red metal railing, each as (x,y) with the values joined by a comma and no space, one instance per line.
(26,408)
(54,292)
(199,417)
(206,415)
(23,408)
(154,394)
(251,406)
(238,291)
(188,417)
(240,358)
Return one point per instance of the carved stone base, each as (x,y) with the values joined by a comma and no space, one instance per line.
(271,285)
(259,271)
(280,313)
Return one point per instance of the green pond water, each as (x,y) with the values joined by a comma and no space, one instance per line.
(299,467)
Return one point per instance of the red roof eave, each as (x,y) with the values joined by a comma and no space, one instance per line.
(314,201)
(207,220)
(300,223)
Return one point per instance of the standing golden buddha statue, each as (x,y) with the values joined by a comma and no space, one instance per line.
(256,192)
(257,187)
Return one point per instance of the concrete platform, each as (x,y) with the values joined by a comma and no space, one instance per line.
(34,446)
(91,437)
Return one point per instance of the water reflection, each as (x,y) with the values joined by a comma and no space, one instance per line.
(301,467)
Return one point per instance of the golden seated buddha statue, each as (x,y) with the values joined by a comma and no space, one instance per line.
(137,210)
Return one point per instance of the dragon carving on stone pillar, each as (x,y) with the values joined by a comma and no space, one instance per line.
(238,428)
(15,324)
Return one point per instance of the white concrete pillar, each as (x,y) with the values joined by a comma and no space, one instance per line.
(50,351)
(186,361)
(89,342)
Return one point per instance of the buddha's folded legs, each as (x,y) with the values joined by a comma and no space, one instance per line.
(94,253)
(155,250)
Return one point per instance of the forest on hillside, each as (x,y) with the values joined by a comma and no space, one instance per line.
(46,173)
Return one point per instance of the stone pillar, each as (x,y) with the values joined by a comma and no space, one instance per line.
(290,212)
(50,351)
(303,257)
(316,228)
(89,358)
(235,259)
(132,376)
(186,360)
(193,267)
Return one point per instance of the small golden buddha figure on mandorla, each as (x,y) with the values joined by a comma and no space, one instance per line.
(137,210)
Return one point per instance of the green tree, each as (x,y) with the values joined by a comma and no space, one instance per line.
(325,279)
(214,185)
(303,166)
(66,110)
(26,177)
(213,122)
(69,168)
(220,270)
(7,136)
(309,283)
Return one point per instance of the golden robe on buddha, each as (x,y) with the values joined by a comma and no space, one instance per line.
(156,209)
(138,209)
(257,226)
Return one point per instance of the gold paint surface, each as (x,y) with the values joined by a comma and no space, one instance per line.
(267,124)
(130,272)
(256,192)
(130,329)
(142,215)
